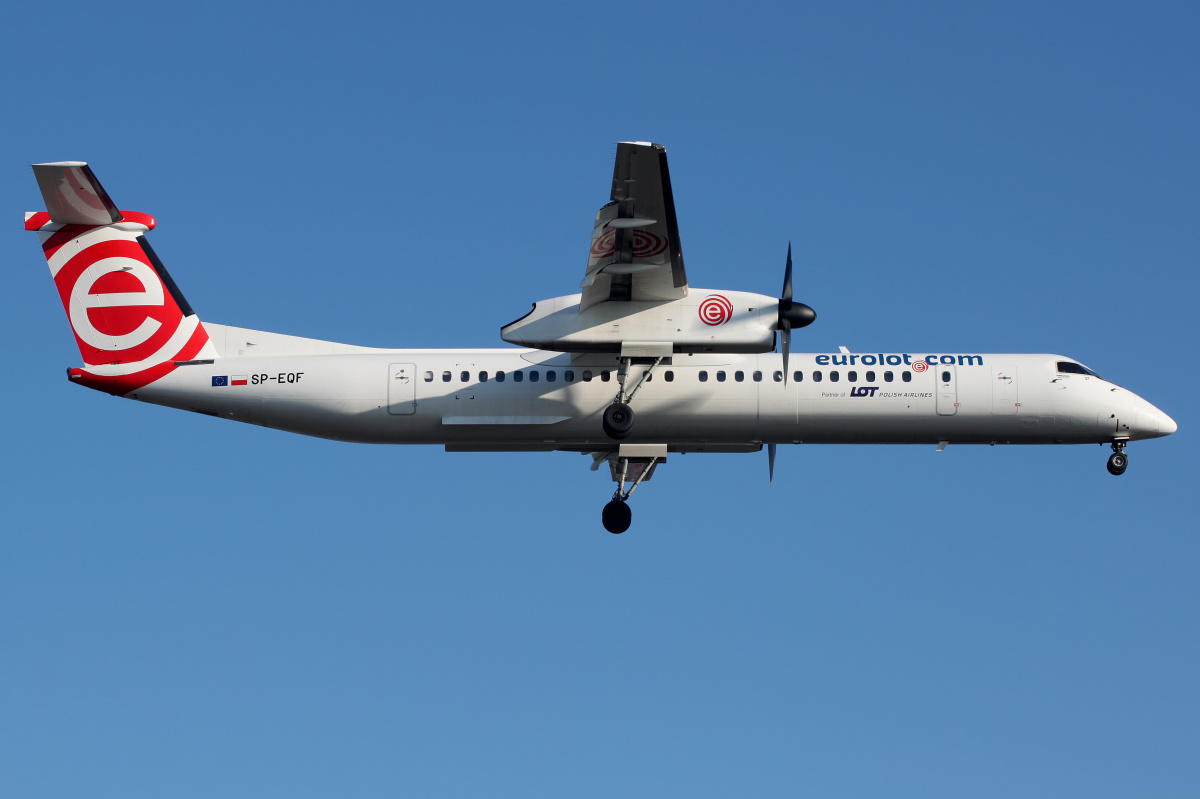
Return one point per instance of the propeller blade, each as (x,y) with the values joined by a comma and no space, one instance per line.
(785,336)
(787,277)
(771,463)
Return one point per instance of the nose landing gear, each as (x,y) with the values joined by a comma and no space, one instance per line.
(1118,461)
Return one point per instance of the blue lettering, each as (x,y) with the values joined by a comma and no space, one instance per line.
(868,360)
(970,360)
(894,360)
(822,360)
(947,359)
(907,362)
(836,362)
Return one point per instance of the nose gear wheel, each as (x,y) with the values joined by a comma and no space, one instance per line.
(1118,461)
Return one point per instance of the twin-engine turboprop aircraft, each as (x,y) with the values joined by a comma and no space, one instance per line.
(636,366)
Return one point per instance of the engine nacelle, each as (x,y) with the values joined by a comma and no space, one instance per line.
(703,321)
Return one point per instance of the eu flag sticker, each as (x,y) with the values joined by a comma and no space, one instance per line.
(223,380)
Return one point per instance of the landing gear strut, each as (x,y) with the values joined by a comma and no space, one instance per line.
(618,417)
(1118,461)
(617,515)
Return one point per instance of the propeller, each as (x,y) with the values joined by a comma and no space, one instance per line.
(771,463)
(791,314)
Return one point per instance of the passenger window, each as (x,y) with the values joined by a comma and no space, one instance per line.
(483,377)
(429,377)
(721,376)
(587,376)
(799,376)
(945,377)
(445,377)
(834,376)
(870,377)
(533,375)
(669,376)
(703,376)
(499,377)
(778,377)
(518,377)
(604,377)
(816,376)
(852,377)
(739,376)
(464,376)
(757,377)
(887,377)
(569,376)
(550,376)
(906,376)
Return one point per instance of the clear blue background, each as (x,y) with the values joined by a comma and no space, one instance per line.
(195,608)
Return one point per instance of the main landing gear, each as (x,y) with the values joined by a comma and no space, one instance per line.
(1118,461)
(617,515)
(618,417)
(618,420)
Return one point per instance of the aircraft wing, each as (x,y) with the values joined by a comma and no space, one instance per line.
(635,252)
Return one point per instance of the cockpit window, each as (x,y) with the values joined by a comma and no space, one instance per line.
(1072,368)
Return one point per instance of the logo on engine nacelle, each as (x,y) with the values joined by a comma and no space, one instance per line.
(716,310)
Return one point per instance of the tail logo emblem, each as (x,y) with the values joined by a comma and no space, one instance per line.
(83,302)
(117,303)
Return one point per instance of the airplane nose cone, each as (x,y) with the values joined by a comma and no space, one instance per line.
(1153,423)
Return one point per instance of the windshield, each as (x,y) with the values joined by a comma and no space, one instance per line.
(1072,368)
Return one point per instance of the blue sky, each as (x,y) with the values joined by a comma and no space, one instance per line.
(191,607)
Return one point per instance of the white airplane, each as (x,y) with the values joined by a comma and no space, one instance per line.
(636,366)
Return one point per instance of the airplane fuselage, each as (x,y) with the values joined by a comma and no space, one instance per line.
(519,399)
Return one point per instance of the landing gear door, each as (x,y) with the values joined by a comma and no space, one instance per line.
(402,389)
(947,390)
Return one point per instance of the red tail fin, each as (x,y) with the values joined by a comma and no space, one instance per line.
(130,320)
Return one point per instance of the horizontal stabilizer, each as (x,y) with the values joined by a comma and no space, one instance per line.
(73,195)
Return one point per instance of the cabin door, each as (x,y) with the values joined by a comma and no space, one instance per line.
(947,389)
(402,389)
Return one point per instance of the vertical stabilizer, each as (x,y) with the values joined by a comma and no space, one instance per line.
(130,320)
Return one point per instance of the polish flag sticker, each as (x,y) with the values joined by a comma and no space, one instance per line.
(237,380)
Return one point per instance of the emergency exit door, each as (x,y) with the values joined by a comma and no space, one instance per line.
(947,390)
(402,389)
